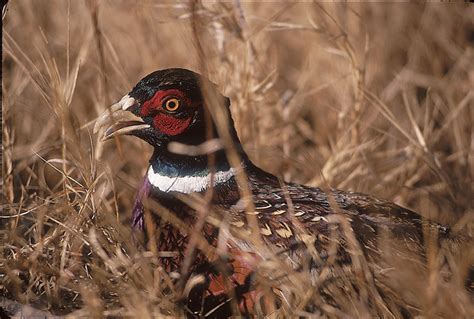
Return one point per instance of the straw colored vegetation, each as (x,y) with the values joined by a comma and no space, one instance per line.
(376,98)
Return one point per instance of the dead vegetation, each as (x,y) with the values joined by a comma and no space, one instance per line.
(375,98)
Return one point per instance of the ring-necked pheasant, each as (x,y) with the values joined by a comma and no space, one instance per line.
(170,113)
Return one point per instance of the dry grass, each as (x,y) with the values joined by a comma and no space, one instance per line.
(366,97)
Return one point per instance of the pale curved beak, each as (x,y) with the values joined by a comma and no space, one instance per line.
(117,120)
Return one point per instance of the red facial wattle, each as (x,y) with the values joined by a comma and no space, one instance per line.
(165,122)
(170,125)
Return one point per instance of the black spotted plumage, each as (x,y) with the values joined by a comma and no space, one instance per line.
(284,211)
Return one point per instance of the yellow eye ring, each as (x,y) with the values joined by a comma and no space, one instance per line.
(172,104)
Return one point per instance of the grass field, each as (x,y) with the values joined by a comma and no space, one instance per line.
(376,98)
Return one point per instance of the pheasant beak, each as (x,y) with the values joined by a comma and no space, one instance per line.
(117,119)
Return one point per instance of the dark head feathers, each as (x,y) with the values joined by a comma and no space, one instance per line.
(187,81)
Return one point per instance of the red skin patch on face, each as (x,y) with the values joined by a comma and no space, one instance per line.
(167,123)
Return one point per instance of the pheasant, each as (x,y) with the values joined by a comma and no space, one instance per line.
(170,110)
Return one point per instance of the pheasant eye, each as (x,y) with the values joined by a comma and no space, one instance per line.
(172,104)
